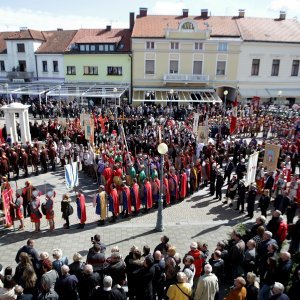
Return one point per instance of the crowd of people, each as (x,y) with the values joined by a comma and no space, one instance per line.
(124,162)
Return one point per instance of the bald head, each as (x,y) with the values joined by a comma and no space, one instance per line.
(65,270)
(157,255)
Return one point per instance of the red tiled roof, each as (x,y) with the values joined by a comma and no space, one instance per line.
(155,25)
(270,30)
(28,34)
(56,41)
(88,36)
(255,29)
(3,36)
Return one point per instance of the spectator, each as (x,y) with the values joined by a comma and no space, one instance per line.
(59,260)
(76,267)
(277,292)
(252,286)
(239,291)
(181,289)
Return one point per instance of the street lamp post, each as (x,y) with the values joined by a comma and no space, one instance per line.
(225,96)
(115,94)
(162,149)
(279,98)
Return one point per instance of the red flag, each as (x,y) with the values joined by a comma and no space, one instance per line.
(233,117)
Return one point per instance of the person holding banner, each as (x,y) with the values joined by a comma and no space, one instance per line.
(260,178)
(35,214)
(17,205)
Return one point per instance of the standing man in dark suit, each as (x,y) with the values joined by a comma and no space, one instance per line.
(228,169)
(269,181)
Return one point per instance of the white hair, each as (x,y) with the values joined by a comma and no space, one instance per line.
(278,288)
(207,269)
(57,253)
(107,281)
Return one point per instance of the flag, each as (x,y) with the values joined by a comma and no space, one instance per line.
(195,123)
(233,117)
(71,175)
(252,166)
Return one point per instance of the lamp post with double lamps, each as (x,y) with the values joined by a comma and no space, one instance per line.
(162,149)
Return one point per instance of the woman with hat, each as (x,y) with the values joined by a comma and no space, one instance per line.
(49,209)
(17,206)
(35,214)
(66,209)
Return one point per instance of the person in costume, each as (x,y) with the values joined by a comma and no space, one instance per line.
(166,190)
(17,205)
(173,185)
(155,185)
(49,209)
(27,195)
(108,177)
(101,205)
(147,200)
(35,214)
(66,210)
(113,203)
(126,200)
(182,184)
(135,196)
(81,209)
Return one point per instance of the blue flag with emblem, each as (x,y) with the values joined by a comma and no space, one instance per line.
(71,175)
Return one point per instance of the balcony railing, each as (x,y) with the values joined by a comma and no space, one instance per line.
(19,75)
(186,78)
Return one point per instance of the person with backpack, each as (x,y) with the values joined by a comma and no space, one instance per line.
(66,209)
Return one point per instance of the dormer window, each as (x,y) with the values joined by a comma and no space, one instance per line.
(187,26)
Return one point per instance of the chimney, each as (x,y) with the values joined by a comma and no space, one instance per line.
(143,11)
(108,27)
(241,13)
(204,13)
(185,13)
(60,29)
(131,20)
(23,28)
(282,15)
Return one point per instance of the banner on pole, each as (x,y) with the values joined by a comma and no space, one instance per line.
(71,175)
(195,123)
(252,166)
(7,196)
(202,134)
(271,157)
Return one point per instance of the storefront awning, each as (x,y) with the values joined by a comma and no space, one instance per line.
(175,95)
(283,93)
(249,93)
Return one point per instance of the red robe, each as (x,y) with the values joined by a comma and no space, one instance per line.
(148,195)
(183,185)
(166,184)
(115,202)
(135,196)
(108,175)
(81,209)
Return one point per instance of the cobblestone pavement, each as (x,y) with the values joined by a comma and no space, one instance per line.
(199,218)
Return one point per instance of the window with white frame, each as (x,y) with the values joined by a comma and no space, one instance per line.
(221,67)
(275,67)
(174,46)
(173,67)
(197,67)
(71,70)
(149,67)
(45,66)
(222,46)
(255,67)
(198,46)
(295,67)
(90,70)
(150,45)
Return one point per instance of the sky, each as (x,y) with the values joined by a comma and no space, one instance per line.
(75,14)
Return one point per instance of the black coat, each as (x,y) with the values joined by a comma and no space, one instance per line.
(143,281)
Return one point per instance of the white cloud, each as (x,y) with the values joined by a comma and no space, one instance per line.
(14,19)
(290,6)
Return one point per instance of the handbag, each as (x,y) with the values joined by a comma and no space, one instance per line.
(189,297)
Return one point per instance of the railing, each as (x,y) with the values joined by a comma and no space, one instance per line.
(19,75)
(186,77)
